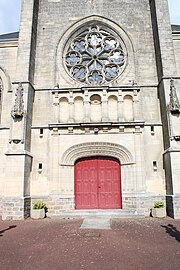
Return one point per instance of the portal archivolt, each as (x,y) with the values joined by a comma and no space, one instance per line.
(97,149)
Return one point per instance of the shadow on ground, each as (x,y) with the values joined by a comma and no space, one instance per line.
(9,228)
(172,231)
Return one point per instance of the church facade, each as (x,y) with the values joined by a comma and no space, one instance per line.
(89,108)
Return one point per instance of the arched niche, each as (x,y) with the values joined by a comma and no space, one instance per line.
(128,108)
(112,108)
(64,110)
(78,109)
(96,110)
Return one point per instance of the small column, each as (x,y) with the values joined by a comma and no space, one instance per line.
(120,106)
(136,106)
(104,106)
(86,106)
(71,107)
(56,103)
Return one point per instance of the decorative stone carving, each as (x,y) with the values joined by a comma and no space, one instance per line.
(70,129)
(18,110)
(174,106)
(55,132)
(97,149)
(96,56)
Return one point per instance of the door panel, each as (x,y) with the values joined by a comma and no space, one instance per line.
(109,184)
(86,185)
(97,183)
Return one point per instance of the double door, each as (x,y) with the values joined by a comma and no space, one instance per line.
(97,183)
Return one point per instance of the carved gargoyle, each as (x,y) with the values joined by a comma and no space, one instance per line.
(18,110)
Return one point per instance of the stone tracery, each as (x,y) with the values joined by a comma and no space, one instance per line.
(95,56)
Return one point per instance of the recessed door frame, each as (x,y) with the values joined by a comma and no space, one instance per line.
(98,183)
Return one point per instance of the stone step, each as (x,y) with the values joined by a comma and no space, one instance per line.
(109,213)
(96,223)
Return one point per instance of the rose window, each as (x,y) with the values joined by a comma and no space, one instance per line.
(95,56)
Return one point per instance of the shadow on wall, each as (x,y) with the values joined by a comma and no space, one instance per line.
(10,227)
(172,231)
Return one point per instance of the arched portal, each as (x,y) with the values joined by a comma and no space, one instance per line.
(89,149)
(97,183)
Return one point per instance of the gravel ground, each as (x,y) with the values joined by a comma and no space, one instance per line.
(50,244)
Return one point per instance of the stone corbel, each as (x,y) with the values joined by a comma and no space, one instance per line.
(137,129)
(104,95)
(120,95)
(55,132)
(86,94)
(70,130)
(71,95)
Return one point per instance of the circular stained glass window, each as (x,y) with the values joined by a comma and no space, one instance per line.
(95,56)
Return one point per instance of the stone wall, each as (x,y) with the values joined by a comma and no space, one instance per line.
(56,204)
(176,43)
(15,208)
(57,18)
(8,56)
(1,209)
(142,202)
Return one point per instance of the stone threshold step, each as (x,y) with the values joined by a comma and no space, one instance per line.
(114,213)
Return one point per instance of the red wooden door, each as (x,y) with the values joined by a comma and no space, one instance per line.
(97,183)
